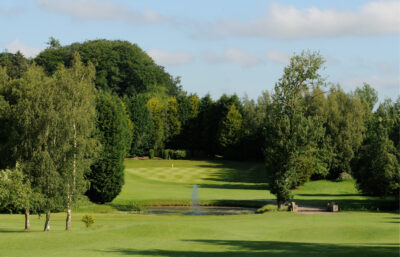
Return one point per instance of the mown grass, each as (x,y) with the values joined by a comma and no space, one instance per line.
(170,182)
(274,234)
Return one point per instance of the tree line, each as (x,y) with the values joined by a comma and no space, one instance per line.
(70,116)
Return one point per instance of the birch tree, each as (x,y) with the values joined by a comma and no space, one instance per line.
(75,129)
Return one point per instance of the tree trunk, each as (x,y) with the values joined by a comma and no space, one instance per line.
(27,222)
(279,204)
(68,221)
(47,223)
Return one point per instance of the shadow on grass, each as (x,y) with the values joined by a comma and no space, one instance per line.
(260,186)
(231,171)
(6,230)
(354,205)
(331,195)
(240,248)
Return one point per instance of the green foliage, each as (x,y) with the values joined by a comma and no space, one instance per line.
(142,125)
(15,191)
(367,95)
(172,122)
(291,138)
(267,208)
(15,64)
(128,129)
(107,173)
(377,168)
(35,106)
(151,153)
(344,176)
(121,67)
(345,118)
(156,109)
(76,121)
(179,154)
(231,128)
(53,43)
(166,154)
(88,220)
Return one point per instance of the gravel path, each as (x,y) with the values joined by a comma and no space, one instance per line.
(313,210)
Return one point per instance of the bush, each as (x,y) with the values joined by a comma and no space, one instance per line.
(166,154)
(344,176)
(88,220)
(267,208)
(151,153)
(180,154)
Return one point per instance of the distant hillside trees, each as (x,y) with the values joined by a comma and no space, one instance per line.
(121,67)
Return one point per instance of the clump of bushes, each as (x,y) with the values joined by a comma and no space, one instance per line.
(179,154)
(166,154)
(88,220)
(151,153)
(170,154)
(344,176)
(267,208)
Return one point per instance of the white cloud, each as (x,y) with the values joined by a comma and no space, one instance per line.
(26,50)
(233,55)
(278,57)
(163,57)
(99,10)
(288,22)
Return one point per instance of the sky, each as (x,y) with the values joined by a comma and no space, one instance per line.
(225,46)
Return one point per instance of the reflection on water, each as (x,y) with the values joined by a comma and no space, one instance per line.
(204,210)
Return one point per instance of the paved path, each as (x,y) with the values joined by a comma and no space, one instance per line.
(313,210)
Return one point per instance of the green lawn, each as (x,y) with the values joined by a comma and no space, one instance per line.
(348,233)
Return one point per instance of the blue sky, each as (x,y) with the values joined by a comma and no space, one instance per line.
(225,46)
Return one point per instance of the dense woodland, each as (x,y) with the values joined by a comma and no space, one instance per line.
(69,117)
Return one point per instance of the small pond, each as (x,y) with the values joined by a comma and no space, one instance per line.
(201,210)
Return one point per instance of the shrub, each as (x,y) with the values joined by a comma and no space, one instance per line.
(166,154)
(267,208)
(151,153)
(88,220)
(180,154)
(344,176)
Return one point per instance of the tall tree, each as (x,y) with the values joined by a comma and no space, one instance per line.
(286,126)
(377,169)
(157,112)
(231,128)
(33,101)
(76,124)
(367,95)
(106,176)
(142,125)
(345,117)
(172,123)
(15,64)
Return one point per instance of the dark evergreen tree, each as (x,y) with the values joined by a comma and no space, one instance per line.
(15,64)
(106,176)
(142,125)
